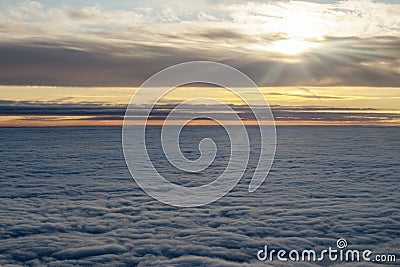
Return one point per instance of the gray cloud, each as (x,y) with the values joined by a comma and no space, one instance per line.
(91,46)
(346,64)
(98,111)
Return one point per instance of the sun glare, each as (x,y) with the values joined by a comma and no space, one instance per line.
(291,46)
(298,23)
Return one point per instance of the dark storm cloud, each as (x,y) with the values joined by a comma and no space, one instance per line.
(347,62)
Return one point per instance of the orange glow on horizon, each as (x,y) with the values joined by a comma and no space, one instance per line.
(15,121)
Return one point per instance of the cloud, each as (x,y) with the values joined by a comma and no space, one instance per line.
(76,204)
(53,64)
(83,252)
(93,46)
(42,111)
(363,18)
(368,18)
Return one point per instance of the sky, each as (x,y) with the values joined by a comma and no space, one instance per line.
(316,62)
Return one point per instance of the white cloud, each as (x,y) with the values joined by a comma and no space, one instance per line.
(295,19)
(363,18)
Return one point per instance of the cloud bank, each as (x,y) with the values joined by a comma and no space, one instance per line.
(31,111)
(77,205)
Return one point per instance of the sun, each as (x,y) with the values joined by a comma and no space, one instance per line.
(299,25)
(291,47)
(288,47)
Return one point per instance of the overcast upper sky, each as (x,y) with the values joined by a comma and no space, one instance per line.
(121,43)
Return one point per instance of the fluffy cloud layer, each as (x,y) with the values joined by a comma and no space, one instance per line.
(67,199)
